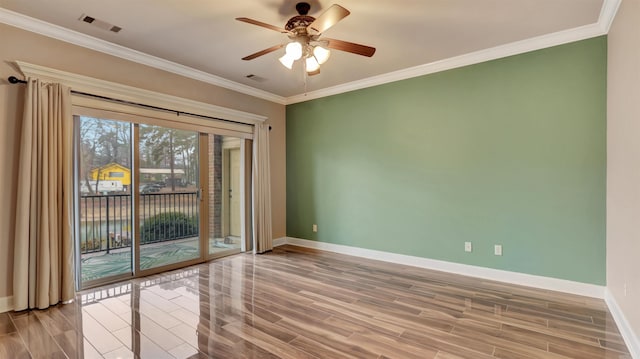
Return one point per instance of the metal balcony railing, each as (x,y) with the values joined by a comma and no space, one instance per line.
(106,221)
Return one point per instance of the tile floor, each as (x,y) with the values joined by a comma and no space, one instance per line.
(298,303)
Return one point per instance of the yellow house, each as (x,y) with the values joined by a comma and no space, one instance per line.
(112,172)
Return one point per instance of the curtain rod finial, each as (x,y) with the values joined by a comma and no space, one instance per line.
(15,80)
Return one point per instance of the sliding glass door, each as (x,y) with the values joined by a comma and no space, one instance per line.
(104,209)
(152,197)
(169,196)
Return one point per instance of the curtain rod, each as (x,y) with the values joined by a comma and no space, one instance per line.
(15,80)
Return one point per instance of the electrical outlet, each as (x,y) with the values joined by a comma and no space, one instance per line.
(497,249)
(467,247)
(315,227)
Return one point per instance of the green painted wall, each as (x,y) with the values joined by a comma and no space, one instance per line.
(508,152)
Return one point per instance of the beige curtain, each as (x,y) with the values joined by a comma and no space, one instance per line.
(261,176)
(43,248)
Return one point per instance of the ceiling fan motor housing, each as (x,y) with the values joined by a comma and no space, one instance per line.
(303,8)
(298,24)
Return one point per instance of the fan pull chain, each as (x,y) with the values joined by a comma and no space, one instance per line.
(306,77)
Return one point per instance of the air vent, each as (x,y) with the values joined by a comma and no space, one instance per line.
(100,24)
(256,78)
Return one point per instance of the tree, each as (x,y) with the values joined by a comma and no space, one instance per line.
(166,147)
(102,142)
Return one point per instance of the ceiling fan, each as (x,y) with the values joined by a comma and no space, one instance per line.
(306,43)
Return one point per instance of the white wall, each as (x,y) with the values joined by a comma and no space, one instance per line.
(623,163)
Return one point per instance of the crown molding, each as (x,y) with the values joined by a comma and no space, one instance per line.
(514,48)
(607,14)
(128,93)
(60,33)
(605,19)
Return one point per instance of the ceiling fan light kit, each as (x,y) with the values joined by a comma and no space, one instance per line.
(287,61)
(314,56)
(293,50)
(311,64)
(304,32)
(321,54)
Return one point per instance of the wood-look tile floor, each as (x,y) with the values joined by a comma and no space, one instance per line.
(301,303)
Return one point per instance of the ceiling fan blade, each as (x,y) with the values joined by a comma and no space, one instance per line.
(265,25)
(350,47)
(328,18)
(263,52)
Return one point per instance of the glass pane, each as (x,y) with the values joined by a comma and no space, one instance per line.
(169,200)
(104,208)
(225,195)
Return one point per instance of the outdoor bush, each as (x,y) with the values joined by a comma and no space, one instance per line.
(167,226)
(90,245)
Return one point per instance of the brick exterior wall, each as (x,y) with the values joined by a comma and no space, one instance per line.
(215,186)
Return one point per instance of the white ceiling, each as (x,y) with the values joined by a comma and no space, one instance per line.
(203,35)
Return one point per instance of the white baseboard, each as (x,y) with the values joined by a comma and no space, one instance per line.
(6,304)
(547,283)
(279,241)
(629,336)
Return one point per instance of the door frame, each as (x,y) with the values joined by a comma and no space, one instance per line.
(227,186)
(233,143)
(204,167)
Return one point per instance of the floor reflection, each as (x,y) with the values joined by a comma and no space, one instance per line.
(173,315)
(294,303)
